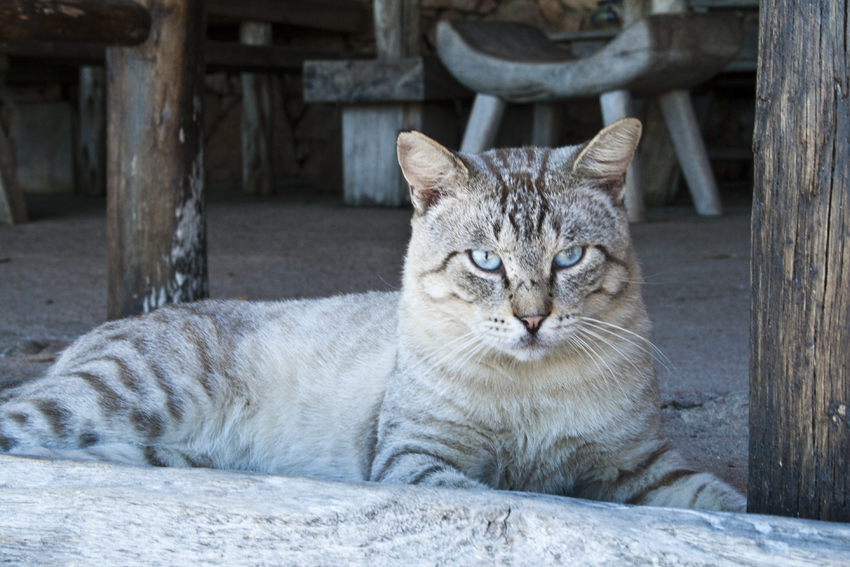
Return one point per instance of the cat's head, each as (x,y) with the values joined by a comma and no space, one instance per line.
(514,249)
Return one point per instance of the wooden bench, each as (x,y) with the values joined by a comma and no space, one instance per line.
(381,97)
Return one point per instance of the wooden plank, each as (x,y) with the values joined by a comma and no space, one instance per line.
(371,176)
(799,357)
(67,512)
(156,230)
(107,22)
(334,15)
(411,79)
(91,144)
(257,117)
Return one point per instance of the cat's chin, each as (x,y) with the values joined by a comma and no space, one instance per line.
(530,352)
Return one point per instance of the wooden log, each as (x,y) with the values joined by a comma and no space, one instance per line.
(155,174)
(799,359)
(60,512)
(335,15)
(108,22)
(91,144)
(257,118)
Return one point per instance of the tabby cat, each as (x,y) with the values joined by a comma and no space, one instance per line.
(515,357)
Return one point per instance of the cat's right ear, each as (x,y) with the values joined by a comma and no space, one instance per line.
(607,157)
(431,170)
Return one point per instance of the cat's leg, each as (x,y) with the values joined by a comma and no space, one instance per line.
(655,474)
(428,451)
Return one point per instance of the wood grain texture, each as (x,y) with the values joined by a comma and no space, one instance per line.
(800,360)
(411,79)
(65,512)
(108,22)
(156,229)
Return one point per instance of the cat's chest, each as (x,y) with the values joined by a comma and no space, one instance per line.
(546,447)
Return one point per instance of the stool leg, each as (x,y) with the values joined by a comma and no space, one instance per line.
(617,105)
(483,123)
(546,127)
(690,149)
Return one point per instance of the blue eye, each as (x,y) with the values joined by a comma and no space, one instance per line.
(485,260)
(568,257)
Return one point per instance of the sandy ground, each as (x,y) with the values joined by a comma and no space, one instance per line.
(53,288)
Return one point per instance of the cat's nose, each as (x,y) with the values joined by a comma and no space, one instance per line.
(532,322)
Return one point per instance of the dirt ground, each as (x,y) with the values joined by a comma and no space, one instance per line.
(53,288)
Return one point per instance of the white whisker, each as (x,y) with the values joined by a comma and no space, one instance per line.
(661,356)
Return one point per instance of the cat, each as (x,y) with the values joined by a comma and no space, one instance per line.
(514,357)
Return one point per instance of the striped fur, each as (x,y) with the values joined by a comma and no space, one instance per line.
(441,384)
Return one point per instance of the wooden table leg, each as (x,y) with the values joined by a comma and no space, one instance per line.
(679,115)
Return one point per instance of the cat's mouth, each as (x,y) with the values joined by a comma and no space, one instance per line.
(530,347)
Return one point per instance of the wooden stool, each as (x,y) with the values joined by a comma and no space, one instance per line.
(662,54)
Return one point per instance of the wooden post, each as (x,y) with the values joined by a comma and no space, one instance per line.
(155,173)
(800,333)
(257,117)
(91,145)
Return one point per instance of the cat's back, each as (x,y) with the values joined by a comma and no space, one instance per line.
(289,387)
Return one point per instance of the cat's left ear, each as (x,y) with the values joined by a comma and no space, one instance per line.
(431,170)
(607,157)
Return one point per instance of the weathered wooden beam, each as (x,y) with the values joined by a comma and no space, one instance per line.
(156,230)
(410,79)
(220,55)
(799,357)
(334,15)
(257,117)
(108,22)
(57,512)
